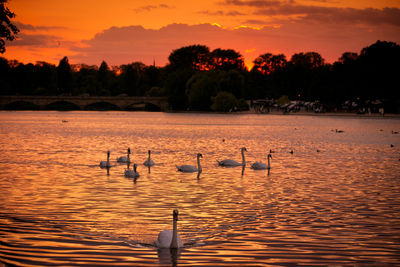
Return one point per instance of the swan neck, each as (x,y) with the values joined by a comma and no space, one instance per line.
(243,159)
(198,163)
(174,241)
(269,164)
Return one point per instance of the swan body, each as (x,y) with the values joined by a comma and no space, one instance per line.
(132,173)
(168,238)
(262,166)
(125,159)
(191,168)
(149,162)
(233,163)
(106,164)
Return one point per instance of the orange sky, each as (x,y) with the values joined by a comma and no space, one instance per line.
(124,31)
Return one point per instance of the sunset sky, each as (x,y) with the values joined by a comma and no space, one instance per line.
(125,31)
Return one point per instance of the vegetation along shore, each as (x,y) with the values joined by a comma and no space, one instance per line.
(198,79)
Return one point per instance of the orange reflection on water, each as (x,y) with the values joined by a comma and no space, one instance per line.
(337,205)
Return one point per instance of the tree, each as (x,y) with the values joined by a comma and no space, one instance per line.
(224,101)
(226,59)
(64,77)
(8,31)
(309,59)
(268,63)
(199,90)
(195,57)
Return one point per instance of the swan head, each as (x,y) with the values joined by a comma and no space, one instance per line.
(129,150)
(175,215)
(199,155)
(244,149)
(149,151)
(108,153)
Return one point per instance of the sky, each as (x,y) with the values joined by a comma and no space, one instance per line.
(125,31)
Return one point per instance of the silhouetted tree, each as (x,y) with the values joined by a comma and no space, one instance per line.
(268,63)
(8,30)
(64,77)
(226,59)
(195,57)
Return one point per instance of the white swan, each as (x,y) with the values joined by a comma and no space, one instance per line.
(149,162)
(190,168)
(168,238)
(131,173)
(262,166)
(106,164)
(233,163)
(124,159)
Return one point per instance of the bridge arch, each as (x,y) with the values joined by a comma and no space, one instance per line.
(85,102)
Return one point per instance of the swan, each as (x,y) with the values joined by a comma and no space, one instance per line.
(131,173)
(149,162)
(190,168)
(233,163)
(124,159)
(106,164)
(168,238)
(262,166)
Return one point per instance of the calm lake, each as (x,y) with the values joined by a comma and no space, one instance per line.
(334,201)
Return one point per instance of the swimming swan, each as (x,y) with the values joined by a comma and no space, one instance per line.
(190,168)
(233,163)
(262,166)
(149,162)
(124,159)
(106,164)
(131,173)
(168,238)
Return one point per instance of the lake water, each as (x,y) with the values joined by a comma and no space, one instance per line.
(334,201)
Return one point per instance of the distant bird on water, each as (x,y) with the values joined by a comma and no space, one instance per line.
(191,168)
(131,173)
(262,166)
(125,159)
(233,163)
(106,164)
(149,162)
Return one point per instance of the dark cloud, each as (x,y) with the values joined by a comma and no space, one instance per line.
(30,27)
(320,14)
(148,8)
(232,13)
(36,40)
(122,45)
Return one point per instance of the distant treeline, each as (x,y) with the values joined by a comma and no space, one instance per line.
(199,79)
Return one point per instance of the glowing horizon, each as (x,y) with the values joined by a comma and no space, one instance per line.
(131,31)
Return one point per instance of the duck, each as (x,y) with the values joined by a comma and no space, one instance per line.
(191,168)
(262,166)
(125,159)
(149,162)
(233,163)
(168,238)
(131,173)
(106,164)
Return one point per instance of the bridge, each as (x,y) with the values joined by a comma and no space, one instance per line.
(84,102)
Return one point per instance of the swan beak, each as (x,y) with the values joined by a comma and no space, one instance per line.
(175,213)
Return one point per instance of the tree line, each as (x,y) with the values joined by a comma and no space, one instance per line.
(197,78)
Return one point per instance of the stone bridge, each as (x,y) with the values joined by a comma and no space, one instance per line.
(84,102)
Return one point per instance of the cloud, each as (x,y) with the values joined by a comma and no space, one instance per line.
(35,40)
(30,27)
(290,10)
(123,45)
(149,8)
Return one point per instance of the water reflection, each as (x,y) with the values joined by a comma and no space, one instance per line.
(339,206)
(169,256)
